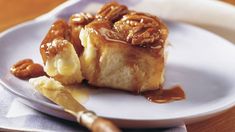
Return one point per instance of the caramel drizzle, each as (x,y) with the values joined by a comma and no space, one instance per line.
(165,95)
(97,70)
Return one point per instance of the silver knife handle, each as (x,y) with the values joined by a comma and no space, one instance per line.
(96,124)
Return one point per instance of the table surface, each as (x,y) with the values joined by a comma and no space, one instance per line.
(9,17)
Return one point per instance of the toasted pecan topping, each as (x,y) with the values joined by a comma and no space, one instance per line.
(137,29)
(59,29)
(80,19)
(53,48)
(141,29)
(112,11)
(26,68)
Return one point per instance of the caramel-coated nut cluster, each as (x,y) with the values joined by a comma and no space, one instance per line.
(26,68)
(111,11)
(141,29)
(80,19)
(135,28)
(59,29)
(56,46)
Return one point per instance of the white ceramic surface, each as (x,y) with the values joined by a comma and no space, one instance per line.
(201,62)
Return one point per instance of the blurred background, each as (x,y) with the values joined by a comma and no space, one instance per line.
(17,11)
(13,10)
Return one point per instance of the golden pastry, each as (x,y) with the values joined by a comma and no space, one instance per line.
(118,48)
(124,49)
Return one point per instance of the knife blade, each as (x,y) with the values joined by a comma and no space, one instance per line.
(56,92)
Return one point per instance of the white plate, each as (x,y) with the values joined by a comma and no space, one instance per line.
(201,62)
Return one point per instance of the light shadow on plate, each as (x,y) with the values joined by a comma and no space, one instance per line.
(200,86)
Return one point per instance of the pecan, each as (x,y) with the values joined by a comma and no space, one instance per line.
(59,29)
(112,11)
(80,19)
(54,47)
(62,31)
(141,29)
(26,68)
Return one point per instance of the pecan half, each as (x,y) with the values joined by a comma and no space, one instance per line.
(112,11)
(26,68)
(141,29)
(80,19)
(59,29)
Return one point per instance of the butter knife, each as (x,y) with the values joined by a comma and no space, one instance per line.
(84,117)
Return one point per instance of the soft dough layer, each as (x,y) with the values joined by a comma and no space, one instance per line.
(58,51)
(118,65)
(64,66)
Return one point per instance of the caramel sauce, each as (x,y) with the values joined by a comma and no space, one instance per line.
(75,31)
(59,29)
(165,95)
(62,31)
(77,22)
(97,69)
(25,69)
(104,32)
(79,92)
